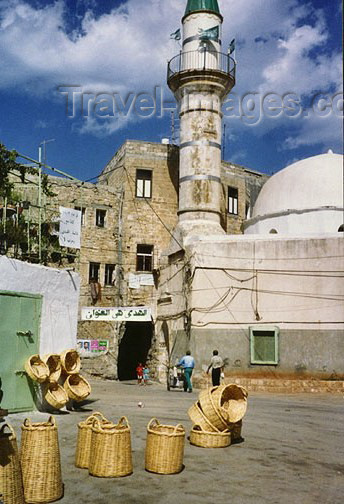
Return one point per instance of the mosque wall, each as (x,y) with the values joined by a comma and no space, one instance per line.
(290,286)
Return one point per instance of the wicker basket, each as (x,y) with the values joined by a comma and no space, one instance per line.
(211,410)
(11,484)
(77,387)
(83,446)
(204,439)
(36,369)
(198,418)
(70,360)
(40,461)
(53,362)
(55,395)
(110,449)
(164,448)
(231,401)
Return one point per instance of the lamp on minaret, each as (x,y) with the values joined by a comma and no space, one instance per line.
(200,77)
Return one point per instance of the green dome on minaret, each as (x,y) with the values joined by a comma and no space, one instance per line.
(199,5)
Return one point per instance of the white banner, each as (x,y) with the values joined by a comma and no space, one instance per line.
(128,314)
(135,281)
(70,228)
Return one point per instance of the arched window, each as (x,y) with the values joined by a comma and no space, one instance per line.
(273,231)
(341,229)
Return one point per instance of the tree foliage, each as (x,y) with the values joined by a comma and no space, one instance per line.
(9,164)
(18,236)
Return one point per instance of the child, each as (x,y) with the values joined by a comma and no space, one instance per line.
(139,374)
(145,375)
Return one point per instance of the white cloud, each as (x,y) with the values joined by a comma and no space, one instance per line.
(281,47)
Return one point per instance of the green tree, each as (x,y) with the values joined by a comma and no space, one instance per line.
(14,229)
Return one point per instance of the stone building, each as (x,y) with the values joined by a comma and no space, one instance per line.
(128,218)
(145,176)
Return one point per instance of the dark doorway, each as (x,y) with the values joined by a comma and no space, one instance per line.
(134,348)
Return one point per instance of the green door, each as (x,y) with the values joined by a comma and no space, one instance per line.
(20,315)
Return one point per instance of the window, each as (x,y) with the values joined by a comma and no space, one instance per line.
(100,217)
(273,231)
(83,213)
(341,229)
(264,345)
(93,273)
(143,184)
(109,274)
(144,258)
(233,200)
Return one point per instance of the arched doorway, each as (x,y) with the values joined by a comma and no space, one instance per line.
(133,348)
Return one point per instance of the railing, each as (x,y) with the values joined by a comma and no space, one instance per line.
(204,60)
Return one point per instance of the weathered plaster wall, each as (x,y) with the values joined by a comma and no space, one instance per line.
(294,284)
(60,291)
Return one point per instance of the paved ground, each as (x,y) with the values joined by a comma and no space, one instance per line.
(293,452)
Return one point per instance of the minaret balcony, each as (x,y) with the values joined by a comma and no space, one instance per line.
(201,66)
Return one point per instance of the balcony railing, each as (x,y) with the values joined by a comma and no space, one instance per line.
(202,60)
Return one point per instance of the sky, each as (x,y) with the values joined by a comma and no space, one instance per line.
(81,74)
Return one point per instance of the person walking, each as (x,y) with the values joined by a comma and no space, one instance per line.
(187,363)
(139,373)
(216,364)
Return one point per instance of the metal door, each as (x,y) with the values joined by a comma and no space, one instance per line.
(20,315)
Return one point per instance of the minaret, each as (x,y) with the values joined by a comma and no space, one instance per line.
(200,78)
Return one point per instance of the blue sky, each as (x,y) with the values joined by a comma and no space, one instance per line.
(283,47)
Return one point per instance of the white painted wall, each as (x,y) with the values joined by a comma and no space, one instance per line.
(324,220)
(299,282)
(60,291)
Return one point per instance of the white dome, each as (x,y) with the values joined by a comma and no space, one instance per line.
(305,197)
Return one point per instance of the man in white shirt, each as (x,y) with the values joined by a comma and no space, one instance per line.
(216,364)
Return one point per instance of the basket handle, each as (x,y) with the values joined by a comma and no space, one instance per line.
(177,427)
(96,423)
(124,421)
(52,421)
(95,416)
(156,422)
(27,422)
(10,429)
(197,428)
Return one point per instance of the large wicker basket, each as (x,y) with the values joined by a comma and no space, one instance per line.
(110,450)
(204,439)
(55,395)
(231,402)
(53,362)
(40,461)
(11,484)
(198,418)
(36,369)
(164,448)
(70,360)
(83,446)
(77,387)
(212,410)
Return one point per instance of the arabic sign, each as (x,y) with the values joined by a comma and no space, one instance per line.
(70,227)
(135,281)
(134,314)
(87,347)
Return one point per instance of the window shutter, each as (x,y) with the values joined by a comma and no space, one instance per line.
(264,345)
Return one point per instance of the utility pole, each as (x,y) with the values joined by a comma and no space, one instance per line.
(40,203)
(41,162)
